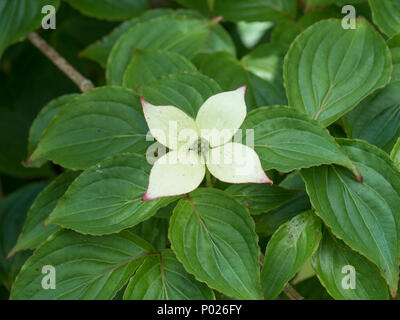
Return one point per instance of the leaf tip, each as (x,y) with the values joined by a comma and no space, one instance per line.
(357,174)
(27,163)
(11,253)
(46,222)
(217,20)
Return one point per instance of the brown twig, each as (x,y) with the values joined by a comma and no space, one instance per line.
(292,293)
(83,83)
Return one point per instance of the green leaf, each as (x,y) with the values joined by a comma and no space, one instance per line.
(43,120)
(394,45)
(13,210)
(293,181)
(286,140)
(226,70)
(20,17)
(110,9)
(219,39)
(153,230)
(395,154)
(260,70)
(99,123)
(267,224)
(377,118)
(106,198)
(305,272)
(213,236)
(365,215)
(86,267)
(100,50)
(166,212)
(34,232)
(386,15)
(261,198)
(326,77)
(330,259)
(287,250)
(162,277)
(147,66)
(287,30)
(311,289)
(255,10)
(247,10)
(312,4)
(187,91)
(205,7)
(251,33)
(265,62)
(181,34)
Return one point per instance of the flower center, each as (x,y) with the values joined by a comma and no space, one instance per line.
(201,146)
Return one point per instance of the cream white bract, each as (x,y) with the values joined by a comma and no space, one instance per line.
(199,143)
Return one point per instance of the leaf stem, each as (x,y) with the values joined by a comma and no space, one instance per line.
(261,260)
(83,83)
(292,293)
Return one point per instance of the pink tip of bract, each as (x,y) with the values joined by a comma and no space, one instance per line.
(243,88)
(268,181)
(265,179)
(142,101)
(360,179)
(146,197)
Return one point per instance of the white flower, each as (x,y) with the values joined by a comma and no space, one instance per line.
(197,144)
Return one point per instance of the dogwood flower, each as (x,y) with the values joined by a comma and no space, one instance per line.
(195,144)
